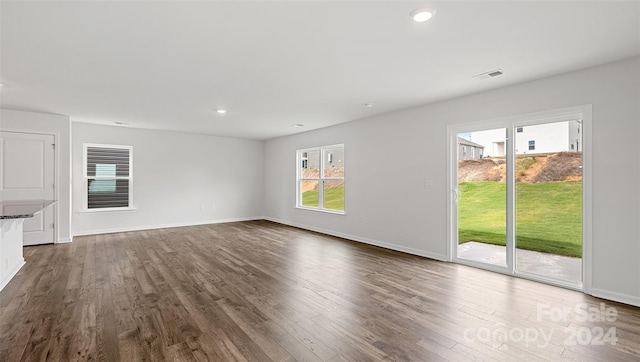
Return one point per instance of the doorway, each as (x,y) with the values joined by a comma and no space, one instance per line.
(27,162)
(519,209)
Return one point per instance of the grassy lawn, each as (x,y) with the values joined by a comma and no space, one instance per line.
(333,198)
(548,215)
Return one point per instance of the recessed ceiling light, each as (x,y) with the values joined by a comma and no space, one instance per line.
(221,111)
(298,125)
(422,15)
(368,105)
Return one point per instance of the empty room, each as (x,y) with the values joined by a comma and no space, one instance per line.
(319,180)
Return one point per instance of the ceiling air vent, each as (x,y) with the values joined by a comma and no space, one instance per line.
(487,75)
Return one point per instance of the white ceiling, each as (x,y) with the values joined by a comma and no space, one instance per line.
(170,64)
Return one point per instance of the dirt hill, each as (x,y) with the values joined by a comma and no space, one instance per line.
(314,172)
(561,166)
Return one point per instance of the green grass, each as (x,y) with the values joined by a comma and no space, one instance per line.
(333,198)
(548,215)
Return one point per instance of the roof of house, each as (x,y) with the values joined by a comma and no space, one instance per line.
(466,142)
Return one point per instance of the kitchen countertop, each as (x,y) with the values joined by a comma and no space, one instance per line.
(23,209)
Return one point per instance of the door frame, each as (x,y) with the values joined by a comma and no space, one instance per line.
(56,175)
(583,112)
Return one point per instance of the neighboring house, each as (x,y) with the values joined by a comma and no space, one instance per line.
(493,141)
(334,157)
(468,150)
(543,138)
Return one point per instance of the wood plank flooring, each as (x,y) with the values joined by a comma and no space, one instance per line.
(260,291)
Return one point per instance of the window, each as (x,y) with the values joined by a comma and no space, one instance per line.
(519,129)
(108,176)
(464,151)
(532,145)
(321,178)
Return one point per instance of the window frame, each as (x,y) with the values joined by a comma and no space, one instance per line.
(86,178)
(320,179)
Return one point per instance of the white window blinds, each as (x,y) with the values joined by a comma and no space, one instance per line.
(108,176)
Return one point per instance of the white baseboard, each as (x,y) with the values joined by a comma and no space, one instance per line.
(616,297)
(373,242)
(164,226)
(381,244)
(10,276)
(65,240)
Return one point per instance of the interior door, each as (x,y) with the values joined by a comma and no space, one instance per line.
(27,163)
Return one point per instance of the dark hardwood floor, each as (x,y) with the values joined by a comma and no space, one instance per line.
(261,291)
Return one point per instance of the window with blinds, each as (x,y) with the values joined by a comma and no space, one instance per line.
(108,176)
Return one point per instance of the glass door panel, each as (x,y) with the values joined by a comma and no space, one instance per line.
(482,197)
(548,199)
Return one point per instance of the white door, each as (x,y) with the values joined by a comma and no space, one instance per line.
(27,173)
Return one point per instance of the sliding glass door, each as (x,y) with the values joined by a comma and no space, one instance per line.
(517,197)
(482,197)
(548,198)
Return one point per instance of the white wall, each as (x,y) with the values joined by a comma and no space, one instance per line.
(178,179)
(390,156)
(60,127)
(548,138)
